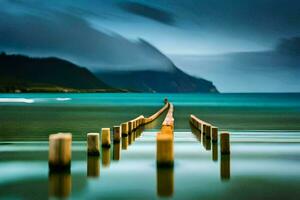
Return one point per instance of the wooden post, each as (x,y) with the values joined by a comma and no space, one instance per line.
(60,151)
(142,119)
(164,150)
(166,130)
(105,137)
(208,131)
(225,143)
(199,127)
(214,134)
(130,126)
(124,128)
(93,144)
(117,131)
(204,127)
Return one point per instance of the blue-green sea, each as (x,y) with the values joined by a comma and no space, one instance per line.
(265,147)
(35,116)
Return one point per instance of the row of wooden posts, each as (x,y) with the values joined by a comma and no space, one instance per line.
(60,147)
(211,132)
(165,140)
(208,144)
(60,143)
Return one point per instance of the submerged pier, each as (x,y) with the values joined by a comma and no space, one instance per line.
(126,133)
(164,140)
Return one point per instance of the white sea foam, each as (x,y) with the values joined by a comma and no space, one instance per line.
(16,100)
(63,99)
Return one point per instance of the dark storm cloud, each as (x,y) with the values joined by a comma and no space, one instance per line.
(148,12)
(60,34)
(206,25)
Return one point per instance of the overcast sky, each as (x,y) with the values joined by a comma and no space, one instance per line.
(89,32)
(180,27)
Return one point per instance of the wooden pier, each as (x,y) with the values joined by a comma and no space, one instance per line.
(164,140)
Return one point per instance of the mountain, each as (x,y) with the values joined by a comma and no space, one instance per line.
(27,74)
(22,73)
(163,77)
(174,81)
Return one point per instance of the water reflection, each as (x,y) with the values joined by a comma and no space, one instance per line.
(206,142)
(208,145)
(225,167)
(154,124)
(133,136)
(214,151)
(60,184)
(105,156)
(124,142)
(165,181)
(139,131)
(196,132)
(130,138)
(93,166)
(117,151)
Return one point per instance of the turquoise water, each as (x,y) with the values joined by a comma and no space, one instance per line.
(38,115)
(263,166)
(148,99)
(264,162)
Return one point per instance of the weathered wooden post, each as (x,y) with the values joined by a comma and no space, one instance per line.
(130,126)
(164,150)
(204,127)
(214,134)
(60,151)
(117,131)
(105,137)
(124,128)
(208,131)
(225,143)
(93,141)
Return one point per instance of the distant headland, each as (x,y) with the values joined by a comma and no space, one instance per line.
(19,73)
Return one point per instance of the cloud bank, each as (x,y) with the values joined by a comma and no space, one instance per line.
(147,11)
(56,33)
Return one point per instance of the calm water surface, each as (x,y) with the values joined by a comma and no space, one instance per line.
(264,161)
(38,115)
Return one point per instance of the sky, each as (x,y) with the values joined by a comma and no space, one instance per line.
(137,34)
